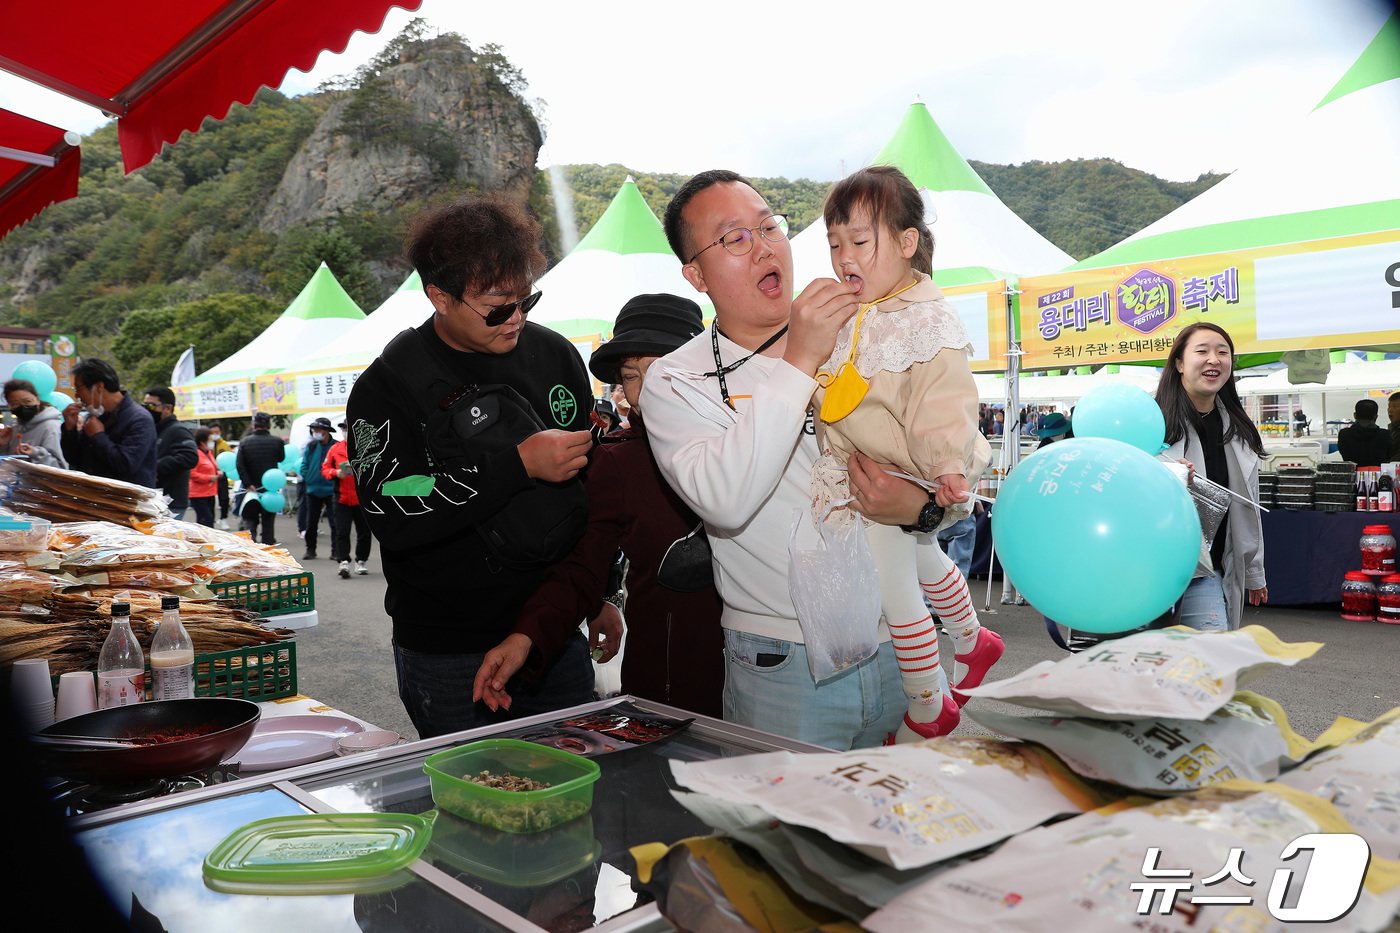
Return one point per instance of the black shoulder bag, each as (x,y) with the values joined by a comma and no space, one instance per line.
(537,526)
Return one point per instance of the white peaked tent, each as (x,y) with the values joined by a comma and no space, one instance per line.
(319,314)
(407,307)
(623,255)
(976,237)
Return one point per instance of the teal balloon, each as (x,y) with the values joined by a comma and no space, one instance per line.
(58,400)
(1096,534)
(272,501)
(228,462)
(39,374)
(1121,413)
(274,479)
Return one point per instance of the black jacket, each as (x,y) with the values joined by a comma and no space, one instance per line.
(1364,444)
(125,449)
(176,455)
(444,594)
(258,452)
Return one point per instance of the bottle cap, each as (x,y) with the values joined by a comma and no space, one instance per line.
(121,609)
(1358,576)
(170,602)
(1375,529)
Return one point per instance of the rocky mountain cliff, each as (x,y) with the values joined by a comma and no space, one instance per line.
(439,115)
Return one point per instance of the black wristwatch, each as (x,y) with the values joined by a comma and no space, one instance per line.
(930,517)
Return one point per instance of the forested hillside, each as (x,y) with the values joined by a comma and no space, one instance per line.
(209,242)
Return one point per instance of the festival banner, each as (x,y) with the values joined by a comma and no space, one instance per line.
(982,308)
(228,399)
(64,353)
(317,390)
(1339,292)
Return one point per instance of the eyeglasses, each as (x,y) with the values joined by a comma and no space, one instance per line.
(502,313)
(737,242)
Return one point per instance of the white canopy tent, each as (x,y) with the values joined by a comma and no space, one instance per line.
(407,307)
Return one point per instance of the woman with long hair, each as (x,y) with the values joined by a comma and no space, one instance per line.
(1208,428)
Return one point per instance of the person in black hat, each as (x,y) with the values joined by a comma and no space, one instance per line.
(1053,427)
(675,649)
(259,451)
(317,490)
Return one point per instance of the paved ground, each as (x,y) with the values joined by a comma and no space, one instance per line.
(346,660)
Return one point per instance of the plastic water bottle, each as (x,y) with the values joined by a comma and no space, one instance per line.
(121,667)
(172,655)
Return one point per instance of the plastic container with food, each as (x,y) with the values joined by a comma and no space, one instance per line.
(569,793)
(514,859)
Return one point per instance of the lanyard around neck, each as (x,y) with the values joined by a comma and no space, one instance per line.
(722,370)
(855,330)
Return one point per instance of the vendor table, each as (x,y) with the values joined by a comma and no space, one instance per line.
(1306,553)
(152,851)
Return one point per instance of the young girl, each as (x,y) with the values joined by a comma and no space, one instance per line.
(898,388)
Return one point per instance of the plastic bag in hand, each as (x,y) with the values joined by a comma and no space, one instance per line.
(837,595)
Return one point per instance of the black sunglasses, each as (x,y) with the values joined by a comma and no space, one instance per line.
(502,313)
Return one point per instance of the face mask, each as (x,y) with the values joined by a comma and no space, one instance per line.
(208,445)
(96,410)
(155,414)
(25,412)
(214,438)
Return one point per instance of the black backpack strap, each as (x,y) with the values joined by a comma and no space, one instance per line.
(411,362)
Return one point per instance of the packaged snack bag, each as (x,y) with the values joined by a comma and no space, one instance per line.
(1247,738)
(1361,778)
(1178,673)
(904,805)
(1225,858)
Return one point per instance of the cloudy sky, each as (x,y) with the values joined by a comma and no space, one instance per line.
(815,89)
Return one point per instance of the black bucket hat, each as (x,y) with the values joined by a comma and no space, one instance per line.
(648,325)
(323,422)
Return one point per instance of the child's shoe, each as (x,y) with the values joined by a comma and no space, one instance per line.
(947,721)
(969,669)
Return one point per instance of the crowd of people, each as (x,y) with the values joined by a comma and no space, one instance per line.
(514,511)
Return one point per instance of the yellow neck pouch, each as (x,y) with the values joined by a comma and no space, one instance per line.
(846,389)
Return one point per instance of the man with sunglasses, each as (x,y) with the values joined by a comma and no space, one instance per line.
(451,595)
(732,432)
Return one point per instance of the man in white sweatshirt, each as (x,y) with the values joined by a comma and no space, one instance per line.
(729,420)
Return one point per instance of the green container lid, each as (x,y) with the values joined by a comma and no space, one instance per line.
(318,853)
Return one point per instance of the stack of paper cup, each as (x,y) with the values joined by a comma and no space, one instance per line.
(31,692)
(77,694)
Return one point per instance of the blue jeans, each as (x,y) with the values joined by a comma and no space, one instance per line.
(436,689)
(767,686)
(960,538)
(1203,606)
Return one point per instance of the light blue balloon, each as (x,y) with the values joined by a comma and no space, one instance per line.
(58,400)
(1121,413)
(228,462)
(274,480)
(1096,534)
(39,374)
(272,501)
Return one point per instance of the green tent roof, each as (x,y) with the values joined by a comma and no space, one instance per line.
(323,297)
(413,283)
(1380,62)
(920,150)
(627,226)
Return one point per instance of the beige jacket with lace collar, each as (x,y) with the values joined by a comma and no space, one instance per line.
(920,412)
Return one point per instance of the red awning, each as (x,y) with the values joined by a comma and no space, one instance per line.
(26,188)
(160,68)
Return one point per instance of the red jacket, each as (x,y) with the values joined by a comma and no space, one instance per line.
(675,647)
(330,469)
(204,476)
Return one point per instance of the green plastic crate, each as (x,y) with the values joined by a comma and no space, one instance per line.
(262,672)
(271,596)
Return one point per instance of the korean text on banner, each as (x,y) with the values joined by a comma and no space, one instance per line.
(288,393)
(1323,294)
